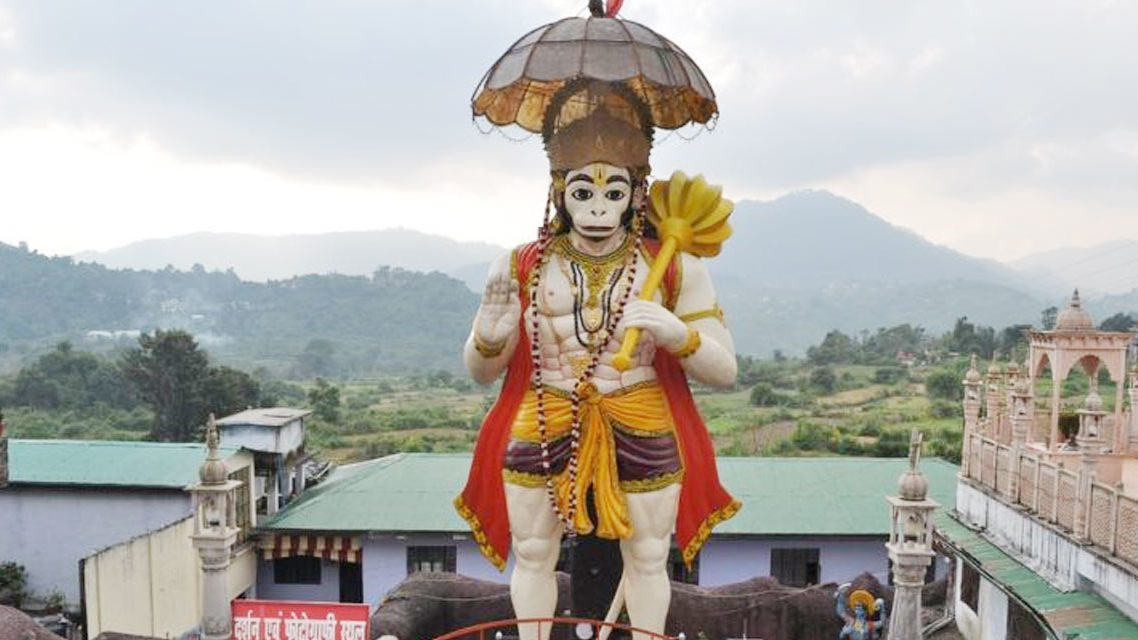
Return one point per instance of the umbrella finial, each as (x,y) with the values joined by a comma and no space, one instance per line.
(597,8)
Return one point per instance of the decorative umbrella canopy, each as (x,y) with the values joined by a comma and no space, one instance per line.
(520,86)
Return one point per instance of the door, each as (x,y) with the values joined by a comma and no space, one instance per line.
(351,582)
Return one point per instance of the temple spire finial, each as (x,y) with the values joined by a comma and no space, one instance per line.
(213,471)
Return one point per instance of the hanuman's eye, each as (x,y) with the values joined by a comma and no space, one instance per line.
(614,194)
(581,194)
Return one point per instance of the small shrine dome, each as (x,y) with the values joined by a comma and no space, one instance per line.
(1074,317)
(973,374)
(913,486)
(214,470)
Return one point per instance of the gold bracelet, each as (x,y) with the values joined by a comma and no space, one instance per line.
(691,345)
(489,350)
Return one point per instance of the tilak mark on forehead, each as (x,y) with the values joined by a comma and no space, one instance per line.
(597,178)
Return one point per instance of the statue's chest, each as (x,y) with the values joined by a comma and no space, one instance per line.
(590,292)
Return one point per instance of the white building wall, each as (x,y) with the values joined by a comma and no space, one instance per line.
(967,620)
(724,560)
(1048,551)
(48,529)
(151,585)
(281,440)
(385,561)
(993,611)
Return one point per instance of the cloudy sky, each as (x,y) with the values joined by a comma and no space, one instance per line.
(997,128)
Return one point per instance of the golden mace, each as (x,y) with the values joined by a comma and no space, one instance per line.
(689,215)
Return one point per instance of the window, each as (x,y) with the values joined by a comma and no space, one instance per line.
(437,559)
(795,567)
(296,570)
(970,586)
(679,572)
(241,503)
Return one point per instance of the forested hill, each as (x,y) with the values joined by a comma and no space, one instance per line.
(394,320)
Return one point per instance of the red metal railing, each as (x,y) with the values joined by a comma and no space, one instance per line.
(543,623)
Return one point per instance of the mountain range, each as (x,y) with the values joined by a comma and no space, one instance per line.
(1106,269)
(795,268)
(259,257)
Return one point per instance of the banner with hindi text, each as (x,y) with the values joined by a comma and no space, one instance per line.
(289,620)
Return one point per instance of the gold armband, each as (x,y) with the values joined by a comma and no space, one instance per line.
(713,312)
(691,345)
(489,350)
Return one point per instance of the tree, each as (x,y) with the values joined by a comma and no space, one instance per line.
(968,338)
(764,395)
(824,378)
(890,375)
(317,359)
(228,391)
(325,401)
(1013,341)
(68,379)
(836,347)
(1118,322)
(884,346)
(13,584)
(944,384)
(170,374)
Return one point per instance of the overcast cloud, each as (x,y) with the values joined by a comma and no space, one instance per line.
(987,126)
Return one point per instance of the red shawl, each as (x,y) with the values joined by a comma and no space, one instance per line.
(703,501)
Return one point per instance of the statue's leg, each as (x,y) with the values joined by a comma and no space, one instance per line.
(647,590)
(536,535)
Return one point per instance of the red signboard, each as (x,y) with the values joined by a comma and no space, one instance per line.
(286,620)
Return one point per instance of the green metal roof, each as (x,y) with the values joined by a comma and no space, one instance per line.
(1068,613)
(781,496)
(106,463)
(822,496)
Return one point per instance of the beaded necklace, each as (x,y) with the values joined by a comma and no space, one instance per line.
(593,294)
(545,239)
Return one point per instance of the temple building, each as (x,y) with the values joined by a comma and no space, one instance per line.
(1045,525)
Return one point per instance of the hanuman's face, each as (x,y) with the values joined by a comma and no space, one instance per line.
(596,197)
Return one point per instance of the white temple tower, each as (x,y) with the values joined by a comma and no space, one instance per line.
(910,545)
(215,532)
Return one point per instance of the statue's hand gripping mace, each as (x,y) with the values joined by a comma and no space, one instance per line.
(690,216)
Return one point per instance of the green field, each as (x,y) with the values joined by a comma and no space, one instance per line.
(859,418)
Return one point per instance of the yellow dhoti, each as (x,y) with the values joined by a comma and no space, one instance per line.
(633,423)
